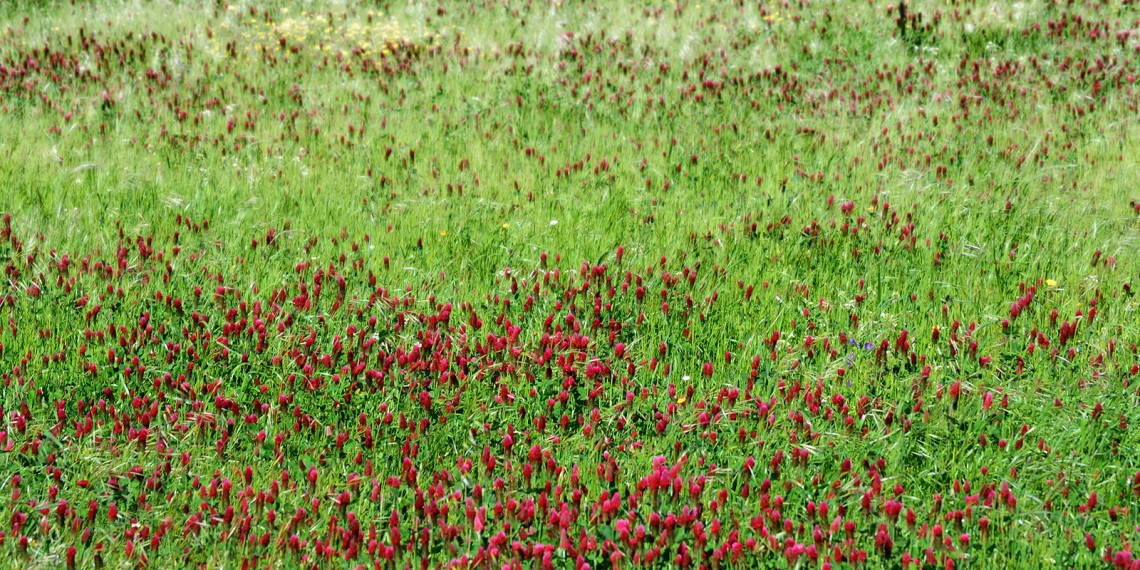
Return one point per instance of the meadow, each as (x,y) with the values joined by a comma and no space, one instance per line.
(501,284)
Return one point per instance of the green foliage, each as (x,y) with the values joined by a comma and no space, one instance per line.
(702,236)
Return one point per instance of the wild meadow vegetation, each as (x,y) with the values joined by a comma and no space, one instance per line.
(501,284)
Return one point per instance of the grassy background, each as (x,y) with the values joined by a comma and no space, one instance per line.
(433,155)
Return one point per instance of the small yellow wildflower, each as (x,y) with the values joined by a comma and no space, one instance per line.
(1050,282)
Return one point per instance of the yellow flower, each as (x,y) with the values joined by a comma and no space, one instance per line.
(1050,282)
(506,225)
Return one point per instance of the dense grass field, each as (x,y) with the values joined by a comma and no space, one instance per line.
(503,284)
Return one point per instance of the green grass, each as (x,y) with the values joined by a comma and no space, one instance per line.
(805,167)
